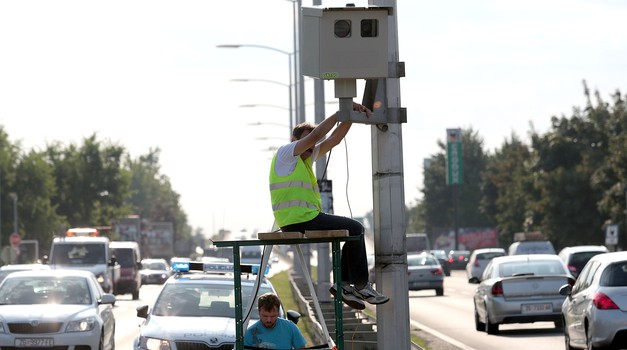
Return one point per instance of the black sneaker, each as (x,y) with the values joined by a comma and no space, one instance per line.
(348,298)
(369,294)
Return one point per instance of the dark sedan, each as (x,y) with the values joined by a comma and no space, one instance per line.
(458,259)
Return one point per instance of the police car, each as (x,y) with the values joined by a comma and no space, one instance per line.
(196,309)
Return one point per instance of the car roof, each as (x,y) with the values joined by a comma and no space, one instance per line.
(525,257)
(488,250)
(584,248)
(20,267)
(610,257)
(60,240)
(51,273)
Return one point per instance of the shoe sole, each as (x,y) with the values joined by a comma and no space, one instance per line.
(355,304)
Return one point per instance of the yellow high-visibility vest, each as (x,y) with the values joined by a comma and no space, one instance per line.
(295,197)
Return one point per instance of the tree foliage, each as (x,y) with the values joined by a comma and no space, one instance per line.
(568,183)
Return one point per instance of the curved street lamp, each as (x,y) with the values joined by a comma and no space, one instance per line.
(289,59)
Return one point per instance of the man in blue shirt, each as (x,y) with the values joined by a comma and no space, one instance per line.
(272,332)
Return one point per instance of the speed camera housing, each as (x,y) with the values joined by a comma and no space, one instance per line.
(345,42)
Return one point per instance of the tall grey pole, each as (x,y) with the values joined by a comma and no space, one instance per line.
(0,209)
(389,210)
(324,253)
(14,196)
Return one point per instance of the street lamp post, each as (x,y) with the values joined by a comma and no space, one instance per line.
(289,91)
(13,195)
(289,59)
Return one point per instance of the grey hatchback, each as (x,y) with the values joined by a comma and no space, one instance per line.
(424,272)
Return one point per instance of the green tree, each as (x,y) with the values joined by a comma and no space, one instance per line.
(35,185)
(92,187)
(9,154)
(507,187)
(439,198)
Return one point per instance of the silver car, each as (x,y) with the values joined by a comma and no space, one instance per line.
(520,289)
(480,258)
(595,308)
(424,272)
(55,309)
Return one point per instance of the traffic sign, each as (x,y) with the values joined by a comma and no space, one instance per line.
(611,234)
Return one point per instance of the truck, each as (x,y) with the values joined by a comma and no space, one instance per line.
(85,249)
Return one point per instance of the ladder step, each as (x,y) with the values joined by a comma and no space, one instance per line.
(279,235)
(326,233)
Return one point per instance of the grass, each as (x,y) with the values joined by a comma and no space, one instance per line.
(281,283)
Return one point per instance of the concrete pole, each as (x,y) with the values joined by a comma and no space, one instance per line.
(324,253)
(389,211)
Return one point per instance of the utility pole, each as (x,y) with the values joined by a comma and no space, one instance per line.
(389,204)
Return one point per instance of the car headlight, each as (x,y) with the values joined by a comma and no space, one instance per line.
(148,343)
(83,325)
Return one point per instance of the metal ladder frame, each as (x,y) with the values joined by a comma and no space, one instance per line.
(337,278)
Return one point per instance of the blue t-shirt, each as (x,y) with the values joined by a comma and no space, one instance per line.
(283,336)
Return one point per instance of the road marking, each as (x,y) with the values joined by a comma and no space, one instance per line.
(441,336)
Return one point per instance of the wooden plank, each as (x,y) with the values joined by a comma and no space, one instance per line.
(327,233)
(279,235)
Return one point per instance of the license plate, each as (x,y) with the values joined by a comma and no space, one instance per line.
(535,308)
(34,342)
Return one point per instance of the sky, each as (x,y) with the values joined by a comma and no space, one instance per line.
(147,74)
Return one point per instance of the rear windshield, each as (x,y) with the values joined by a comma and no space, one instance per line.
(537,267)
(615,275)
(579,260)
(489,256)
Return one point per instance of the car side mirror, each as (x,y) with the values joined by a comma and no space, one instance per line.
(474,280)
(566,290)
(142,311)
(293,316)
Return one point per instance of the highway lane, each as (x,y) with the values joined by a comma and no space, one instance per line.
(452,316)
(125,312)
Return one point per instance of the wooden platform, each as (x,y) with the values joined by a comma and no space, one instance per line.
(308,234)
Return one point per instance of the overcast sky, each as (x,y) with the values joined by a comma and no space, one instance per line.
(147,74)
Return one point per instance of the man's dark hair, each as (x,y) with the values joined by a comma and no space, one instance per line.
(268,302)
(302,127)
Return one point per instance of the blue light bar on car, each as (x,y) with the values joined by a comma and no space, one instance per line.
(186,266)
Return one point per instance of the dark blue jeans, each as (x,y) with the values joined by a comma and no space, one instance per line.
(354,260)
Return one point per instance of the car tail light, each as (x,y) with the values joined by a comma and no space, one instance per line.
(497,288)
(436,272)
(603,302)
(477,263)
(572,269)
(450,260)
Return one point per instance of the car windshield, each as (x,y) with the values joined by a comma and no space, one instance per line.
(615,275)
(78,254)
(45,290)
(202,300)
(536,267)
(124,256)
(154,265)
(421,261)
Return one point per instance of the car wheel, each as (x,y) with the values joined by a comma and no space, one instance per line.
(136,295)
(479,326)
(101,345)
(490,328)
(439,292)
(567,340)
(559,324)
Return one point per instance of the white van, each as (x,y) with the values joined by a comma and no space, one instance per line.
(86,253)
(417,242)
(531,247)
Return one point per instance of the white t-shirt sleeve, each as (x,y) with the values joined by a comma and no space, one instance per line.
(286,160)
